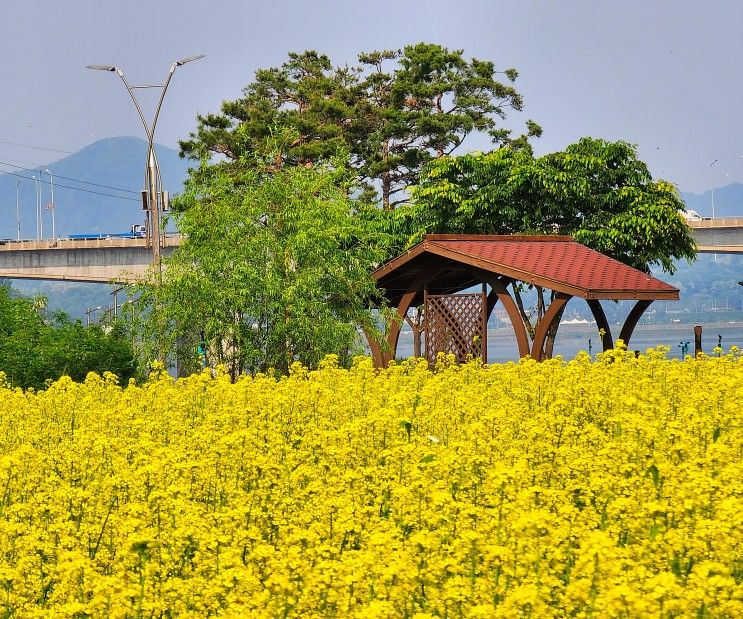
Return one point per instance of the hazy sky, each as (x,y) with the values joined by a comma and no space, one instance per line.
(664,75)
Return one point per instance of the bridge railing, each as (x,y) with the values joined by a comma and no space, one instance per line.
(717,222)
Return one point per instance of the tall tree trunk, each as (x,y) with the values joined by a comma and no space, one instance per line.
(540,310)
(541,305)
(549,341)
(386,177)
(525,316)
(233,358)
(416,323)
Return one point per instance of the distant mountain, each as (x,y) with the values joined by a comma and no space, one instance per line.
(728,201)
(96,189)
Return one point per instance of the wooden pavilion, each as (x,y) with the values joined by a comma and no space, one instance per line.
(435,273)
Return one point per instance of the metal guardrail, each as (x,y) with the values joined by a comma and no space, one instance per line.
(65,243)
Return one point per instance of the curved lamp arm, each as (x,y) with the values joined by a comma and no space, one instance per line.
(166,83)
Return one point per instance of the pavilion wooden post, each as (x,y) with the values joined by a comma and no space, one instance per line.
(601,323)
(697,340)
(632,319)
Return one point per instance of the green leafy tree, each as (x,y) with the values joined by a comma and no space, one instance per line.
(596,191)
(306,97)
(274,269)
(423,108)
(36,348)
(393,112)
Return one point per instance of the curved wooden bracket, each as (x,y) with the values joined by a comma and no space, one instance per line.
(601,322)
(393,335)
(632,319)
(549,342)
(543,326)
(493,294)
(492,300)
(500,293)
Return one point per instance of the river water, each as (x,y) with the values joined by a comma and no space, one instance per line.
(573,338)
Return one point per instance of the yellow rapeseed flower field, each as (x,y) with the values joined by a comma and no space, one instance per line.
(607,488)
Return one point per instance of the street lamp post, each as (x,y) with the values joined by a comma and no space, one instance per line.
(17,212)
(713,194)
(153,180)
(115,294)
(88,312)
(50,206)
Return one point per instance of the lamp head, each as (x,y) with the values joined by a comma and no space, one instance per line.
(182,61)
(101,67)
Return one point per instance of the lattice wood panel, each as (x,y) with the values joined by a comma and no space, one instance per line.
(456,323)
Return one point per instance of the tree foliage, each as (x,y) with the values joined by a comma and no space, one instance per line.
(596,191)
(274,269)
(393,112)
(36,348)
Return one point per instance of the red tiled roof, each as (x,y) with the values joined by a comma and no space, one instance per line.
(555,262)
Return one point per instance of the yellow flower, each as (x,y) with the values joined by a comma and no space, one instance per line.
(566,488)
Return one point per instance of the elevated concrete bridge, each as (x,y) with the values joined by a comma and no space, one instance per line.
(107,260)
(125,260)
(723,235)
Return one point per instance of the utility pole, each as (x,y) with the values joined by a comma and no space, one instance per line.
(38,208)
(88,312)
(51,205)
(17,212)
(115,294)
